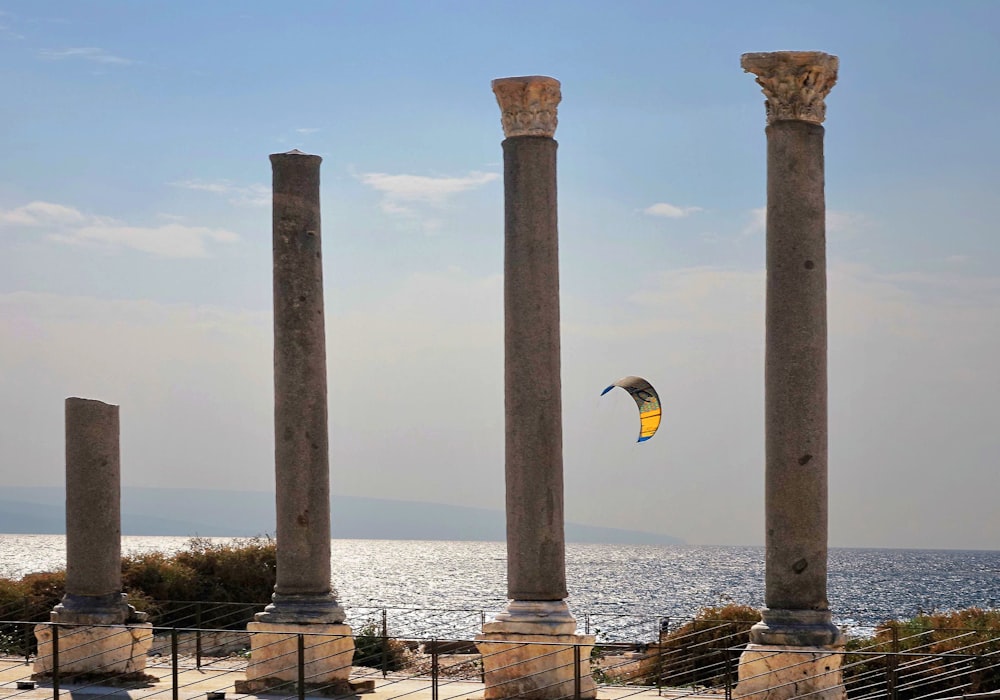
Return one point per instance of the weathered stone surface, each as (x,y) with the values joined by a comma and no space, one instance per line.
(533,617)
(274,648)
(782,673)
(795,83)
(536,666)
(797,613)
(93,499)
(93,518)
(528,105)
(94,649)
(302,593)
(213,642)
(536,564)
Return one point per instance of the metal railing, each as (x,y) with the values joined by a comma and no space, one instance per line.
(699,657)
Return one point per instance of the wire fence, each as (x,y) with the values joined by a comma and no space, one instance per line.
(682,658)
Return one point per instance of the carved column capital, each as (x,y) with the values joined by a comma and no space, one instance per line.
(528,105)
(794,82)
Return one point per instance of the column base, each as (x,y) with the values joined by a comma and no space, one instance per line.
(772,672)
(110,609)
(94,650)
(529,652)
(796,628)
(274,655)
(286,609)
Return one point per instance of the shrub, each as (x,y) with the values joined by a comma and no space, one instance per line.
(375,651)
(695,653)
(973,633)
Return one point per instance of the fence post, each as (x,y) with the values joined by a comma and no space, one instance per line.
(729,674)
(55,662)
(302,667)
(576,672)
(174,671)
(27,631)
(434,669)
(385,643)
(197,635)
(892,666)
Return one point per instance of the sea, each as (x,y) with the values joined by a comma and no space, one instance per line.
(623,592)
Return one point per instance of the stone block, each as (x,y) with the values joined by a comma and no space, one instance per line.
(111,650)
(274,649)
(781,673)
(535,666)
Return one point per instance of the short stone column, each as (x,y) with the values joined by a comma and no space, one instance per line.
(303,601)
(789,654)
(528,650)
(100,633)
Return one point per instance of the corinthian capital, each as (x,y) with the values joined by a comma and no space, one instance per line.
(794,82)
(528,105)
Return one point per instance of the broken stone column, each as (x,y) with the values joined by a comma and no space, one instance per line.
(528,650)
(789,654)
(93,596)
(303,600)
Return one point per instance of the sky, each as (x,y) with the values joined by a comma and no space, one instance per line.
(135,248)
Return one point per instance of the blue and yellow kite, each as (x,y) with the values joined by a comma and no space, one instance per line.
(646,399)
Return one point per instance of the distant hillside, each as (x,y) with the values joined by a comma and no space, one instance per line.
(189,512)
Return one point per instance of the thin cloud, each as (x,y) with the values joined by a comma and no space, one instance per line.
(41,214)
(88,53)
(670,211)
(401,192)
(8,33)
(307,130)
(167,241)
(71,226)
(757,223)
(255,195)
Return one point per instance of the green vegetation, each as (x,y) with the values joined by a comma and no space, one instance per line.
(695,653)
(203,585)
(971,636)
(376,651)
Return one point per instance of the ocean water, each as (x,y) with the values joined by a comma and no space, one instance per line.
(621,589)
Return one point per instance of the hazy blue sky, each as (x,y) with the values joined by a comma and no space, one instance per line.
(135,247)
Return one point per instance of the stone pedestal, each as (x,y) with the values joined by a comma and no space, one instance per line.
(536,666)
(796,627)
(94,650)
(274,657)
(529,652)
(780,672)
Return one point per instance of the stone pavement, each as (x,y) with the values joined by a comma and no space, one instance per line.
(211,678)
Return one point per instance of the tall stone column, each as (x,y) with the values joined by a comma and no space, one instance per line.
(303,599)
(515,663)
(790,646)
(93,593)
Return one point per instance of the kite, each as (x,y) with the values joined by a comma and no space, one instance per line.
(646,399)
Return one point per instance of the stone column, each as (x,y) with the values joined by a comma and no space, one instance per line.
(93,555)
(303,599)
(790,646)
(515,664)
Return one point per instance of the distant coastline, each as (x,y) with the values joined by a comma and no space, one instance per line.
(214,513)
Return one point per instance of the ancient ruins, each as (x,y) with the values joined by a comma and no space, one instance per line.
(790,646)
(303,600)
(531,649)
(528,650)
(97,630)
